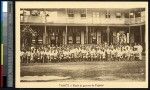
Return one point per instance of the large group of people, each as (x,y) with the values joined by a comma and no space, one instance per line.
(76,53)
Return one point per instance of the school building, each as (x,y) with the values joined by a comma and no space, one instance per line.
(58,26)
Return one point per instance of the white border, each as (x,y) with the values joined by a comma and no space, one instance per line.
(46,4)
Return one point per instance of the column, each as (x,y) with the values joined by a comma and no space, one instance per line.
(86,34)
(114,37)
(128,36)
(141,33)
(66,35)
(98,37)
(132,39)
(108,31)
(82,37)
(44,35)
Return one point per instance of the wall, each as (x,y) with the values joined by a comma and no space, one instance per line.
(61,16)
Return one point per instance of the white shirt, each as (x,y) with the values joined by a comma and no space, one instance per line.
(140,49)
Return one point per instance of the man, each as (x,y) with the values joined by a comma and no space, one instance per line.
(115,54)
(21,56)
(84,54)
(139,50)
(136,54)
(42,56)
(108,54)
(31,60)
(69,55)
(119,53)
(104,55)
(61,56)
(46,56)
(55,55)
(92,54)
(25,57)
(35,56)
(65,55)
(127,52)
(89,55)
(73,54)
(112,54)
(76,54)
(39,56)
(132,53)
(28,56)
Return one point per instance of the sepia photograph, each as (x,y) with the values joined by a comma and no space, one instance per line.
(81,44)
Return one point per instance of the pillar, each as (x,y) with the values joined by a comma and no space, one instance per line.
(108,31)
(87,34)
(128,36)
(66,35)
(45,32)
(82,37)
(132,39)
(98,37)
(44,35)
(114,37)
(141,34)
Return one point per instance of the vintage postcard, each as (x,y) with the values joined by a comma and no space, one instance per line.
(81,44)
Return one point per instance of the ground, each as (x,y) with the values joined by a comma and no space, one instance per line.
(80,71)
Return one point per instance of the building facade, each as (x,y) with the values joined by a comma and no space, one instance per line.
(60,26)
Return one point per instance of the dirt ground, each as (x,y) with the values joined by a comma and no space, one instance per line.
(75,71)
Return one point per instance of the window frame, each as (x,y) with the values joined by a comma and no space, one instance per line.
(70,13)
(119,16)
(108,14)
(83,14)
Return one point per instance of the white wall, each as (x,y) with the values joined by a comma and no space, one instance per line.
(62,17)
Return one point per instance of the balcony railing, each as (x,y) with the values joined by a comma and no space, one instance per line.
(39,19)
